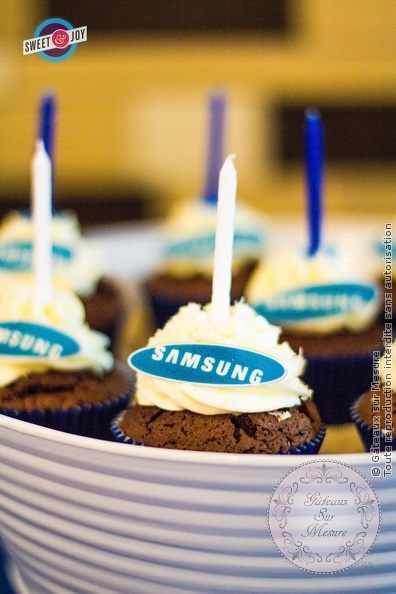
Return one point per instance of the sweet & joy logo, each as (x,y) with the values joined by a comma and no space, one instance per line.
(55,40)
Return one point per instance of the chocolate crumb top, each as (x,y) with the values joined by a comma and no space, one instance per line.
(61,390)
(247,433)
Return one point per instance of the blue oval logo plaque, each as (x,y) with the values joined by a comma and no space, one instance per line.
(17,256)
(203,246)
(209,364)
(318,301)
(28,340)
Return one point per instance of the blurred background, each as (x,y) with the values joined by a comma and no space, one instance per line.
(131,135)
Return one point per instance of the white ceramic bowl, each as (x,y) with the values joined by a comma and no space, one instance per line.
(82,516)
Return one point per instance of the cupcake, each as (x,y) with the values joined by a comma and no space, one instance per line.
(374,413)
(186,268)
(325,307)
(76,266)
(54,370)
(224,386)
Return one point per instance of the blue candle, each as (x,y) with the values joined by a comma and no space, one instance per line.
(215,152)
(313,139)
(47,129)
(47,123)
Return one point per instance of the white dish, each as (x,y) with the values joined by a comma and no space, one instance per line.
(80,515)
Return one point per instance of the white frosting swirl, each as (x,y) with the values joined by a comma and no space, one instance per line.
(64,313)
(287,270)
(196,219)
(79,274)
(243,328)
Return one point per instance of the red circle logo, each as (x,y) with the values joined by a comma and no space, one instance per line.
(60,38)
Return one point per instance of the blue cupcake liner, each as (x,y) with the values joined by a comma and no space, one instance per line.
(311,447)
(336,381)
(90,420)
(366,431)
(118,433)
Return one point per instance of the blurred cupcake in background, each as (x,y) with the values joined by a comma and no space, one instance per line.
(327,309)
(323,303)
(76,266)
(186,268)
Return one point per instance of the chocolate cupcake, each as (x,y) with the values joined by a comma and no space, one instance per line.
(331,312)
(185,272)
(232,388)
(76,266)
(54,370)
